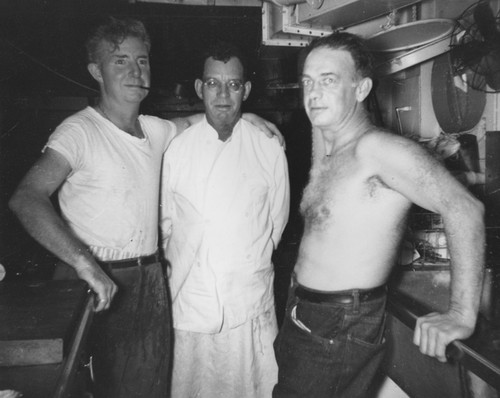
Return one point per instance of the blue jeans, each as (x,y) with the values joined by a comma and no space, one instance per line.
(329,349)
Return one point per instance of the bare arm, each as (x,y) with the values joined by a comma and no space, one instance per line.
(408,169)
(31,204)
(268,128)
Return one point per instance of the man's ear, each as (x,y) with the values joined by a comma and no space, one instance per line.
(363,89)
(198,86)
(248,88)
(95,71)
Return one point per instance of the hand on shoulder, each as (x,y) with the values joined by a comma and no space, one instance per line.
(267,127)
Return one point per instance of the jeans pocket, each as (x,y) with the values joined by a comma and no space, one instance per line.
(322,323)
(369,332)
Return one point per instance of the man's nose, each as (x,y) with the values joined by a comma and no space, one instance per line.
(223,90)
(135,69)
(313,90)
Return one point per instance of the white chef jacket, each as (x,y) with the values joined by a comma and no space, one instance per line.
(110,198)
(224,208)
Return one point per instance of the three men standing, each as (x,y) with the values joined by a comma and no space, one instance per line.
(225,201)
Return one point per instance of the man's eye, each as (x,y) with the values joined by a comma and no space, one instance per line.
(328,82)
(306,82)
(234,85)
(211,83)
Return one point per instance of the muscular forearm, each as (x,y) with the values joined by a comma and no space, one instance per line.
(466,242)
(465,233)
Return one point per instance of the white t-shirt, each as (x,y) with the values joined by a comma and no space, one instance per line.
(111,196)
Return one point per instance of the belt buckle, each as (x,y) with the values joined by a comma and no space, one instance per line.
(139,261)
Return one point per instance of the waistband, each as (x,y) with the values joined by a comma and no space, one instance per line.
(131,262)
(341,297)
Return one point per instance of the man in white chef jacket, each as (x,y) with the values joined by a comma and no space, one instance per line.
(225,203)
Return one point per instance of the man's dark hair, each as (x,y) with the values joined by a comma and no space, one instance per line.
(224,51)
(355,45)
(114,31)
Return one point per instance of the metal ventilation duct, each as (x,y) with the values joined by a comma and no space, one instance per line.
(296,22)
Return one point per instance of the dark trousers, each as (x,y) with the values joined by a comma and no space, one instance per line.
(329,349)
(131,343)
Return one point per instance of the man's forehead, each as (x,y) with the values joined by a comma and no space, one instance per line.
(123,47)
(231,66)
(328,60)
(233,61)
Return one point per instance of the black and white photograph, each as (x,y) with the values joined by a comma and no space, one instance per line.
(250,198)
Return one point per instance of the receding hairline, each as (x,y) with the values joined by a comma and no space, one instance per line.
(355,72)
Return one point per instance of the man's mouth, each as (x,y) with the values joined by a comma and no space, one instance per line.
(141,86)
(316,108)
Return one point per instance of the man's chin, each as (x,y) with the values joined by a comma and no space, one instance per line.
(316,120)
(139,97)
(226,117)
(223,121)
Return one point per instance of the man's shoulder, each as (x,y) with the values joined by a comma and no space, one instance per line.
(385,147)
(377,138)
(158,128)
(185,141)
(247,126)
(76,125)
(191,133)
(155,120)
(196,128)
(82,116)
(253,133)
(157,124)
(374,134)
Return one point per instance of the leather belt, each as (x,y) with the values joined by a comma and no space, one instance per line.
(131,262)
(342,297)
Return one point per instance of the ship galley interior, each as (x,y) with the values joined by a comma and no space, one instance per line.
(435,85)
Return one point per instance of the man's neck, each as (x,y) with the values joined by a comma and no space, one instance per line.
(224,131)
(333,139)
(125,118)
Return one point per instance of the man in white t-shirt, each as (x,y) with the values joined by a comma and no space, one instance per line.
(105,161)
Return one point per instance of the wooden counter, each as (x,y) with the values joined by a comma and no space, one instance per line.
(43,328)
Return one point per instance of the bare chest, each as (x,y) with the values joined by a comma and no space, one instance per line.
(337,188)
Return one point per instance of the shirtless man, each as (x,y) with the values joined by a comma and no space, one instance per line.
(363,182)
